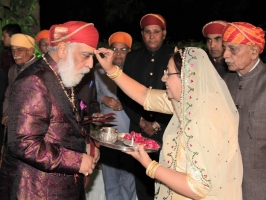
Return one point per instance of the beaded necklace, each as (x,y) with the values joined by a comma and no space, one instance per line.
(72,98)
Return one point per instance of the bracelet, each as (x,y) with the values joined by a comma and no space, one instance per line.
(116,74)
(152,168)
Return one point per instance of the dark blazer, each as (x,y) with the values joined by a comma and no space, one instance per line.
(249,94)
(147,68)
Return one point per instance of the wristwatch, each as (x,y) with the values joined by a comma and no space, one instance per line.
(153,124)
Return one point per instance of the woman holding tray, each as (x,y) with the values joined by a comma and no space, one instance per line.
(200,157)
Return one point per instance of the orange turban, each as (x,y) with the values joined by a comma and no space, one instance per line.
(120,37)
(244,33)
(214,27)
(153,19)
(74,31)
(42,34)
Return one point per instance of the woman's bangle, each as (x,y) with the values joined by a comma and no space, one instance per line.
(152,168)
(116,74)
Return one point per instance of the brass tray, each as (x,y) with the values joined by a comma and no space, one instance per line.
(118,145)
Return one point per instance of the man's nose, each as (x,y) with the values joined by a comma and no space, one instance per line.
(152,35)
(89,62)
(226,53)
(213,43)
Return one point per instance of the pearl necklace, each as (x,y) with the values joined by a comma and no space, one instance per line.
(72,98)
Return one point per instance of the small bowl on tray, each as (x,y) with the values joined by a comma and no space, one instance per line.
(108,134)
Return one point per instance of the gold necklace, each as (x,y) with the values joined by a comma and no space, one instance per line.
(72,98)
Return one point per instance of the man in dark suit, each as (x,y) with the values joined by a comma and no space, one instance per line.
(146,65)
(243,43)
(212,31)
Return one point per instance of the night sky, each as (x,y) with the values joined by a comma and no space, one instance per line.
(184,18)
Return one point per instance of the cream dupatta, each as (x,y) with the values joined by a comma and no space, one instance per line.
(201,140)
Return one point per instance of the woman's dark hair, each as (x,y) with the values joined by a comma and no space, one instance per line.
(177,60)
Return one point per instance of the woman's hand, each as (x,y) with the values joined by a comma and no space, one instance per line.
(105,58)
(141,155)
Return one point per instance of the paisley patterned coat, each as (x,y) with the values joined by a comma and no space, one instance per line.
(44,144)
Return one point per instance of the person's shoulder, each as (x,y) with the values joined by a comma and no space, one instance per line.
(137,51)
(37,68)
(170,49)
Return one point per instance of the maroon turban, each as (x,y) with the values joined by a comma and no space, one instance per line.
(74,31)
(153,19)
(214,27)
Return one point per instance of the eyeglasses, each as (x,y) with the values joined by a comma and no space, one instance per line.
(122,50)
(166,74)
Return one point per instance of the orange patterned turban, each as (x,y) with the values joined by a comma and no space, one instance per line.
(120,37)
(244,33)
(153,19)
(42,34)
(74,31)
(214,27)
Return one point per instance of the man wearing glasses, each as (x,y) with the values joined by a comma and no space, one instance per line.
(117,167)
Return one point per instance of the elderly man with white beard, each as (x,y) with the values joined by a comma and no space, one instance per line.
(49,153)
(22,48)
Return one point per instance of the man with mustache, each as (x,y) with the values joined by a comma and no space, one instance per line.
(243,43)
(146,65)
(22,48)
(49,153)
(212,31)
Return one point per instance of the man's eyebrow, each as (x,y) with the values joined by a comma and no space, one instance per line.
(218,37)
(86,53)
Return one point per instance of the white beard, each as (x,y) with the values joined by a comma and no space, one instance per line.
(69,75)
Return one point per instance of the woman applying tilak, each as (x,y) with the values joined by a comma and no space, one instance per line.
(200,157)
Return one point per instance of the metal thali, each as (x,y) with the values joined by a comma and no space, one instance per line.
(119,144)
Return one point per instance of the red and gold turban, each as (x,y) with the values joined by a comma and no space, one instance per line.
(153,19)
(42,34)
(74,31)
(120,37)
(214,27)
(244,33)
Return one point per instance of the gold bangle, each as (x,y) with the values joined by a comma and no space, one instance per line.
(154,169)
(116,74)
(151,168)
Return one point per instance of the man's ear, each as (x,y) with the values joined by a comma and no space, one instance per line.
(255,52)
(62,50)
(164,34)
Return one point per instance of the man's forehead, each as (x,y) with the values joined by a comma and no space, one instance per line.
(231,44)
(119,44)
(152,27)
(214,36)
(17,47)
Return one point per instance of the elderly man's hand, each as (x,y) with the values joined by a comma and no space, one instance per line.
(5,120)
(96,153)
(87,165)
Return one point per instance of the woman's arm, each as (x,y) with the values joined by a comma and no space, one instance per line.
(177,181)
(129,86)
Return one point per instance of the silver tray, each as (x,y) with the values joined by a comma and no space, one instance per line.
(118,145)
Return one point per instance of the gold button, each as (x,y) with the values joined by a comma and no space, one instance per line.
(151,73)
(152,60)
(150,87)
(151,115)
